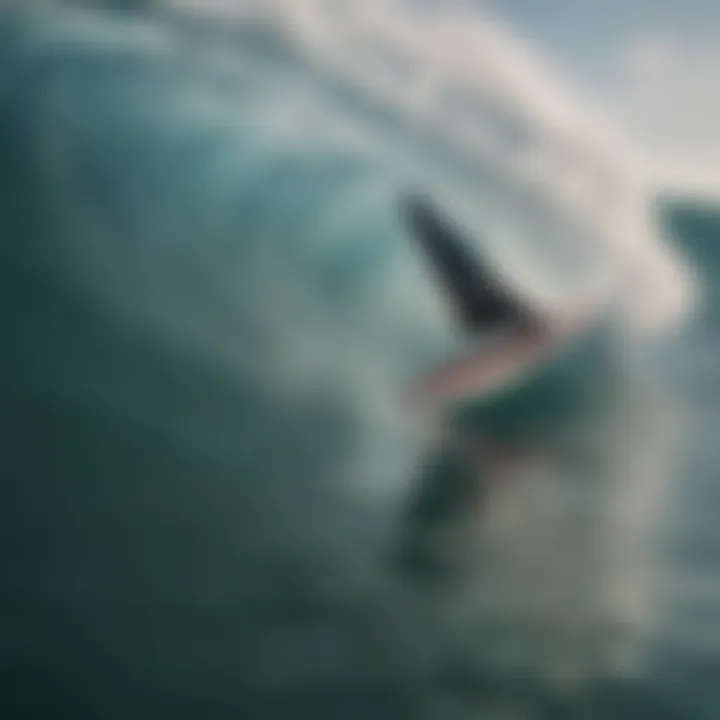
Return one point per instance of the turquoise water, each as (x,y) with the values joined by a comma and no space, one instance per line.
(215,504)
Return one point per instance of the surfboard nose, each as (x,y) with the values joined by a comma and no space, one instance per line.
(481,299)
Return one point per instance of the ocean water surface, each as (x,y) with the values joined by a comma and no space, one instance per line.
(215,502)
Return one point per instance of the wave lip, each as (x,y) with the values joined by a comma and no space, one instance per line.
(526,163)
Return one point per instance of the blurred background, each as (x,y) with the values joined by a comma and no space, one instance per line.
(215,501)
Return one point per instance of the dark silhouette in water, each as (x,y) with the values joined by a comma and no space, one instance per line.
(454,490)
(482,301)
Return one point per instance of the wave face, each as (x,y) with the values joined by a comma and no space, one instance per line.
(215,503)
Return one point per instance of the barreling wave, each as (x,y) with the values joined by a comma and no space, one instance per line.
(227,195)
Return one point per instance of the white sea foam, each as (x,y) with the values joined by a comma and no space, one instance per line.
(558,168)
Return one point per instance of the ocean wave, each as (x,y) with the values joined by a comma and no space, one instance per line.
(203,240)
